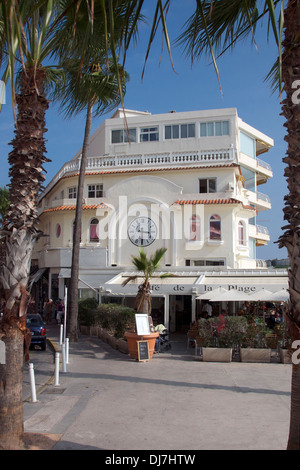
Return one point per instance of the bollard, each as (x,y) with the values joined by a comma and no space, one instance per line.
(67,350)
(63,351)
(32,382)
(61,334)
(56,382)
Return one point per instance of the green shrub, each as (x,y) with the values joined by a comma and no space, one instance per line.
(112,317)
(87,311)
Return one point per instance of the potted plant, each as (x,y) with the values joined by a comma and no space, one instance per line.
(145,265)
(218,343)
(285,343)
(253,346)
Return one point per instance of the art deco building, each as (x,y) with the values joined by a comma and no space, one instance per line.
(191,182)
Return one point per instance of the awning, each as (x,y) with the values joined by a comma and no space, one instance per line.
(175,284)
(231,296)
(262,295)
(281,296)
(210,295)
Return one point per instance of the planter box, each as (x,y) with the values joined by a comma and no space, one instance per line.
(122,346)
(285,356)
(255,354)
(217,354)
(132,339)
(112,341)
(85,330)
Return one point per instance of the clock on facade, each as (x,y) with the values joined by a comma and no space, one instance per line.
(142,231)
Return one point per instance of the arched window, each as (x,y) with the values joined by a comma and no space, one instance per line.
(195,233)
(94,230)
(58,230)
(241,233)
(215,227)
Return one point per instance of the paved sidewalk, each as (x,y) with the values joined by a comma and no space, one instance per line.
(108,401)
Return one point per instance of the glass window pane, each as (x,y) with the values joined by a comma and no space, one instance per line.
(210,129)
(168,134)
(247,145)
(129,135)
(203,132)
(212,186)
(153,137)
(203,186)
(175,132)
(116,136)
(218,126)
(225,127)
(215,228)
(191,130)
(183,131)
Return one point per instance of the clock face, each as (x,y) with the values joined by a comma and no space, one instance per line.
(142,231)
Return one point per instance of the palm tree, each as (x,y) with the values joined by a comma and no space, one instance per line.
(98,90)
(4,203)
(26,40)
(147,266)
(93,83)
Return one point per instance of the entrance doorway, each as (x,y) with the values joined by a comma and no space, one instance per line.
(180,313)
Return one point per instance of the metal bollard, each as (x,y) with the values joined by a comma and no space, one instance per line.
(56,382)
(61,334)
(32,382)
(67,350)
(63,351)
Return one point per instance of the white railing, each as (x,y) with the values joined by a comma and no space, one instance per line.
(263,164)
(162,160)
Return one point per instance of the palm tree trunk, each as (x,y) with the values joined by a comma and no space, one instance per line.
(72,314)
(291,237)
(18,235)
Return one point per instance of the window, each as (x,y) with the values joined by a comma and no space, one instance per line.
(247,145)
(204,262)
(149,134)
(214,128)
(58,230)
(95,190)
(207,185)
(94,231)
(180,131)
(73,193)
(241,233)
(120,136)
(195,233)
(215,227)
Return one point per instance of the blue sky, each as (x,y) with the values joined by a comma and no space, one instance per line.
(242,74)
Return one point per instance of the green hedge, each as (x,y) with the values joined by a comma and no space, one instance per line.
(113,317)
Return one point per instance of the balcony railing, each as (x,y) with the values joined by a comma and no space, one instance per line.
(162,160)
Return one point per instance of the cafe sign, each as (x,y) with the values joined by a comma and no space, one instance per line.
(238,288)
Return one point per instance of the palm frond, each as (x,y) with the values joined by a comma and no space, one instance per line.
(129,279)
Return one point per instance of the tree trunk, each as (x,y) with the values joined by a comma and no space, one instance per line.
(291,237)
(294,434)
(18,235)
(72,314)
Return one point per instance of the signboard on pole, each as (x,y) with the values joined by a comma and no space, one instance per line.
(142,324)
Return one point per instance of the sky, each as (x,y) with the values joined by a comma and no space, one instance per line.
(242,73)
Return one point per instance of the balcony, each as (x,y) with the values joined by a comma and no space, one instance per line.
(192,159)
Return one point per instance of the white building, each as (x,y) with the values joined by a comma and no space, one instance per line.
(187,181)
